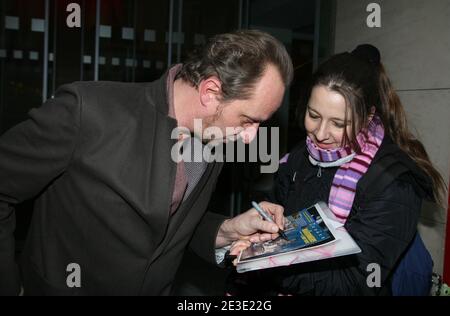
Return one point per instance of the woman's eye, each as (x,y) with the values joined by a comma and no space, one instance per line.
(314,117)
(338,125)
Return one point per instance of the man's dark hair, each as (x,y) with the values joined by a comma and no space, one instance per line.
(239,60)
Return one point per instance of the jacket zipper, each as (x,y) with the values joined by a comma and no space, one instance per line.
(319,172)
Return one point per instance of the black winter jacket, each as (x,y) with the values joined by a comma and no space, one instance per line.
(383,226)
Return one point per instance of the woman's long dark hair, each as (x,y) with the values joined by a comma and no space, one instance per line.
(361,79)
(395,122)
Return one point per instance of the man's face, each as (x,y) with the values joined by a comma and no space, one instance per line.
(241,118)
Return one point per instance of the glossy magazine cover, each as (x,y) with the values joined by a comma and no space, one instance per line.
(313,233)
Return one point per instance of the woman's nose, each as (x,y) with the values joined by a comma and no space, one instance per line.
(321,133)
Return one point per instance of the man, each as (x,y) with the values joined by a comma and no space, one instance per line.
(111,203)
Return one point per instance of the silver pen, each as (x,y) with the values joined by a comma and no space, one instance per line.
(268,218)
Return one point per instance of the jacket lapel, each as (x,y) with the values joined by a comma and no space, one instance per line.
(161,183)
(179,217)
(161,176)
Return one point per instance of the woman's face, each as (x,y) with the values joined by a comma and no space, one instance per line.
(325,116)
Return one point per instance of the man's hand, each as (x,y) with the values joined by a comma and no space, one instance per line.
(251,226)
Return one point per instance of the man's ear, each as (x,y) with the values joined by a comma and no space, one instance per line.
(210,91)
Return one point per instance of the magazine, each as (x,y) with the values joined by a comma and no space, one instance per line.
(314,233)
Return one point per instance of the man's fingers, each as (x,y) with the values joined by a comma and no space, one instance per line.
(276,211)
(262,237)
(264,226)
(255,238)
(275,236)
(265,237)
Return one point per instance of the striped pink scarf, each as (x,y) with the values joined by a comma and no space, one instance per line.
(343,188)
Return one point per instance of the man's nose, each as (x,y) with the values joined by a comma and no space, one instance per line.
(249,133)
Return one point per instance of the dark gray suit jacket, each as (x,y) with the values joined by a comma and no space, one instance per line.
(97,157)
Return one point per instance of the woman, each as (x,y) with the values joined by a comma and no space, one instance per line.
(355,123)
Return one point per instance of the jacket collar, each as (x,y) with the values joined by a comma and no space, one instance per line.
(157,94)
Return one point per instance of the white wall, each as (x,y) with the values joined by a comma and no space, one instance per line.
(414,40)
